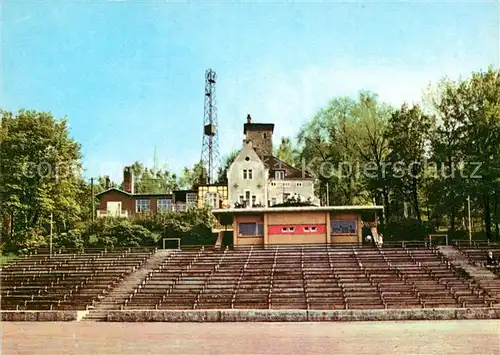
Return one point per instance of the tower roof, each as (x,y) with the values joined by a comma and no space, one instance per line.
(258,127)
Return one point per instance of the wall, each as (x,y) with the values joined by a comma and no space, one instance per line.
(41,316)
(128,202)
(248,239)
(303,315)
(237,185)
(277,220)
(220,190)
(263,146)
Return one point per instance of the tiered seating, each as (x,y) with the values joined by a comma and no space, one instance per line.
(65,281)
(159,282)
(477,256)
(477,253)
(307,277)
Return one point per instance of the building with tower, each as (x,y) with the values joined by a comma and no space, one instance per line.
(257,178)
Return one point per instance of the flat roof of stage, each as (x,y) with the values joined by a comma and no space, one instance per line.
(297,209)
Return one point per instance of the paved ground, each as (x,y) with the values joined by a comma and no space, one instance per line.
(433,337)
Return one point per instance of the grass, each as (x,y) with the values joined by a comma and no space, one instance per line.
(5,259)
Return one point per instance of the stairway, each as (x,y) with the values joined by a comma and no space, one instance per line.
(115,298)
(484,277)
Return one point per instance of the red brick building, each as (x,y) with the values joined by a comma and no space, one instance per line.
(125,202)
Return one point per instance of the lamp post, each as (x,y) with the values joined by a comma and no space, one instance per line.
(50,240)
(470,223)
(93,198)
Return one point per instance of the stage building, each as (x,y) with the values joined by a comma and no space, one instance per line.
(297,225)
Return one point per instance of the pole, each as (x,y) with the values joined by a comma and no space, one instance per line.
(50,242)
(327,194)
(470,223)
(93,198)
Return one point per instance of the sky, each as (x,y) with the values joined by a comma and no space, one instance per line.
(129,75)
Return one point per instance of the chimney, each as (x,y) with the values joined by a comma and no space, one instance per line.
(128,180)
(107,183)
(249,118)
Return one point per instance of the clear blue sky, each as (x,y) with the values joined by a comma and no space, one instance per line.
(130,75)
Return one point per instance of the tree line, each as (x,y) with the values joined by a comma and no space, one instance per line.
(423,162)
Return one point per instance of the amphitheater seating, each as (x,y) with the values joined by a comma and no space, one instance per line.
(307,277)
(477,256)
(65,281)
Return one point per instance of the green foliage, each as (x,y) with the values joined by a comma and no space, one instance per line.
(153,181)
(286,152)
(39,173)
(226,163)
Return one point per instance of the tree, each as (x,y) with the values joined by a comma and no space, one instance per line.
(226,163)
(39,173)
(286,152)
(192,177)
(408,137)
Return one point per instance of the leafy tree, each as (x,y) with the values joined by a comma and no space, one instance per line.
(226,163)
(39,173)
(286,152)
(409,135)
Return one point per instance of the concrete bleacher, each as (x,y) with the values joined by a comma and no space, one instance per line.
(65,281)
(308,277)
(476,255)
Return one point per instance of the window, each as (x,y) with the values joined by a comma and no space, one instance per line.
(287,184)
(287,229)
(254,200)
(299,184)
(247,195)
(279,175)
(211,199)
(142,206)
(241,198)
(343,226)
(251,228)
(264,135)
(306,229)
(191,198)
(273,184)
(313,229)
(163,205)
(247,174)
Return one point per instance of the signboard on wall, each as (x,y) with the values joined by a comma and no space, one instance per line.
(344,226)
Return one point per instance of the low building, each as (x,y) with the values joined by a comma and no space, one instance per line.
(124,202)
(297,225)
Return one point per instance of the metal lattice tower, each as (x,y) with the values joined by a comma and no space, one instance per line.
(210,147)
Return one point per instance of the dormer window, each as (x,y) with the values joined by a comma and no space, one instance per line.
(279,175)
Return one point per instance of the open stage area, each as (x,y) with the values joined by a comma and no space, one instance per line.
(418,337)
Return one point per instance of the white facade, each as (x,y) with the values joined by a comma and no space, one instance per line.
(249,182)
(247,178)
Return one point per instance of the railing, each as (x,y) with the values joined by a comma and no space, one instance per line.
(123,214)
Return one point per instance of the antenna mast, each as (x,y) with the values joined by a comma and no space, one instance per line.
(210,147)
